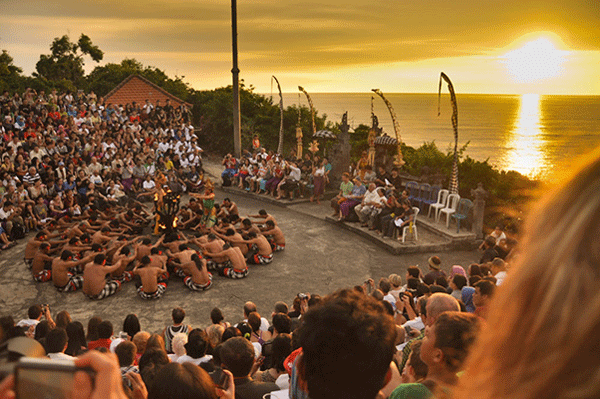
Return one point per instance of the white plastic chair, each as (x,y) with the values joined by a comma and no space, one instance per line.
(412,225)
(439,204)
(450,208)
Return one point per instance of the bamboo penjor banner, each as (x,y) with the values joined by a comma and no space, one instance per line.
(399,161)
(454,178)
(312,108)
(280,147)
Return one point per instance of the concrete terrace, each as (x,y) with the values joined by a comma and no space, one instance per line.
(432,236)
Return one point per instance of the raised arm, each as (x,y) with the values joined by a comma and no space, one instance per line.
(160,241)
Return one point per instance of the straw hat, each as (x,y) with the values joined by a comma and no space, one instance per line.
(434,262)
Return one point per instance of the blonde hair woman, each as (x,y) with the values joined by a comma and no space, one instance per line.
(543,332)
(178,343)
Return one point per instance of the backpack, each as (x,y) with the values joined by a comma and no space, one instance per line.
(226,181)
(18,231)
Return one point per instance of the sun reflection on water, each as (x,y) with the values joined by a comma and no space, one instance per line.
(525,144)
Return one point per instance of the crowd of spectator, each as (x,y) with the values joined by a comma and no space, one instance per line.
(264,172)
(62,152)
(292,349)
(375,199)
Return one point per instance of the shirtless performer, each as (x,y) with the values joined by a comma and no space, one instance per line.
(128,219)
(235,266)
(263,216)
(186,217)
(174,240)
(196,277)
(145,247)
(231,209)
(154,278)
(75,246)
(178,258)
(103,235)
(76,230)
(95,285)
(248,227)
(34,243)
(261,253)
(63,279)
(42,263)
(277,239)
(213,245)
(231,234)
(127,256)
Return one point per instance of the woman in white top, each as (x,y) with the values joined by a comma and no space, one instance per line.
(318,173)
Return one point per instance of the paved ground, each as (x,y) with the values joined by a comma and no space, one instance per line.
(319,258)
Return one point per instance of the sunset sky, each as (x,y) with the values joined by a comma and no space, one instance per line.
(507,46)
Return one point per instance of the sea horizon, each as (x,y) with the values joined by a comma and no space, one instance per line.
(530,133)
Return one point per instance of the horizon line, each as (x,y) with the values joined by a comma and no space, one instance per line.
(443,93)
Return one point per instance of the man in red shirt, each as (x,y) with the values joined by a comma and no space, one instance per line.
(105,331)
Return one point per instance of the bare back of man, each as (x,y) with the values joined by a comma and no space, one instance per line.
(264,248)
(215,246)
(61,277)
(197,276)
(238,237)
(277,235)
(261,252)
(235,266)
(149,277)
(95,285)
(153,278)
(41,265)
(185,256)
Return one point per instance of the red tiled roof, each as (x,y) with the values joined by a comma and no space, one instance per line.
(138,89)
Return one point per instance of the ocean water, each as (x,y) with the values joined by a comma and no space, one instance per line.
(532,134)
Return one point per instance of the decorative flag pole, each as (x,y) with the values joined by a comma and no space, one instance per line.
(454,178)
(399,161)
(280,147)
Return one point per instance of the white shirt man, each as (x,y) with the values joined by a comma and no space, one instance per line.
(149,184)
(371,199)
(295,173)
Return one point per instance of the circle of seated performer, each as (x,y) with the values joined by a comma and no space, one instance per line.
(66,280)
(234,265)
(95,284)
(195,274)
(277,239)
(260,252)
(153,275)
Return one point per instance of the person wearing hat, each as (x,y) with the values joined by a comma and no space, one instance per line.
(434,269)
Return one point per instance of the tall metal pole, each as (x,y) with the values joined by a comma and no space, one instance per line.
(237,133)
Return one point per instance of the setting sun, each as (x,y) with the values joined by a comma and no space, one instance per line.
(536,60)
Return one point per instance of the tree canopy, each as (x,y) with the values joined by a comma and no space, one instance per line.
(64,65)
